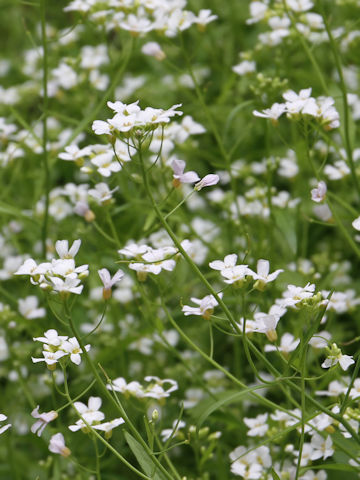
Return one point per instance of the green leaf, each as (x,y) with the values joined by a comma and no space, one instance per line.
(233,114)
(14,212)
(274,475)
(286,225)
(144,459)
(205,409)
(343,467)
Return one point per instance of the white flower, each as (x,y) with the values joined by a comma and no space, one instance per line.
(156,388)
(258,426)
(205,308)
(355,391)
(321,448)
(74,153)
(229,262)
(335,389)
(356,224)
(108,281)
(266,323)
(318,194)
(72,347)
(178,167)
(133,388)
(300,5)
(70,285)
(90,413)
(107,427)
(274,112)
(288,343)
(57,445)
(335,356)
(262,276)
(337,171)
(28,307)
(105,164)
(294,295)
(51,337)
(63,250)
(244,67)
(4,427)
(43,420)
(204,17)
(172,432)
(236,275)
(153,49)
(50,358)
(102,193)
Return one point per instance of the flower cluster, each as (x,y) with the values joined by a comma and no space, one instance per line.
(156,389)
(92,416)
(57,346)
(130,119)
(142,16)
(303,105)
(104,159)
(60,275)
(236,275)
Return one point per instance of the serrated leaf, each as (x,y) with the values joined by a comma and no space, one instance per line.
(143,458)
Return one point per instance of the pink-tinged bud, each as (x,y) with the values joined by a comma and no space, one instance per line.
(207,181)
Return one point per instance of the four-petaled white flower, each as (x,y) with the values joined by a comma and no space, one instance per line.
(205,308)
(43,420)
(258,426)
(262,276)
(335,356)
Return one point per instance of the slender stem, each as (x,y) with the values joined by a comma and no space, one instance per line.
(179,204)
(97,460)
(307,49)
(303,405)
(230,317)
(348,146)
(213,126)
(44,231)
(97,435)
(347,394)
(96,109)
(107,394)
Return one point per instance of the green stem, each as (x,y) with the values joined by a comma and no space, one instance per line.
(96,109)
(97,460)
(343,89)
(44,231)
(303,405)
(97,435)
(307,49)
(230,317)
(213,127)
(108,395)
